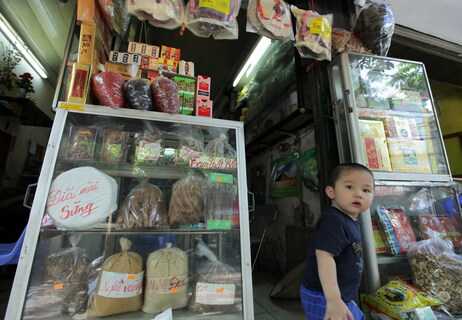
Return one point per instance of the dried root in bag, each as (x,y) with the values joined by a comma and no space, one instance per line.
(217,286)
(313,38)
(270,18)
(144,207)
(436,269)
(375,26)
(108,87)
(213,18)
(219,200)
(167,278)
(187,203)
(165,95)
(165,14)
(120,284)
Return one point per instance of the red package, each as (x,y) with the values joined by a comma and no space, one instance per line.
(108,87)
(397,229)
(165,95)
(447,227)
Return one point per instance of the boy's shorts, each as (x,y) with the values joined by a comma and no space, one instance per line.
(314,304)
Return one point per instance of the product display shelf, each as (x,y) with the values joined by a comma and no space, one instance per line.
(229,241)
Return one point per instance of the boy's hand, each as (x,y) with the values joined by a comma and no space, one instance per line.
(337,310)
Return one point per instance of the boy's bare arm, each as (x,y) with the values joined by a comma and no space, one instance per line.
(336,309)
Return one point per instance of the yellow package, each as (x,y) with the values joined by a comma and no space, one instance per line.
(376,153)
(371,128)
(409,155)
(397,295)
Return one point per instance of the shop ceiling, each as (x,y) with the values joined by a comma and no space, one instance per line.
(44,25)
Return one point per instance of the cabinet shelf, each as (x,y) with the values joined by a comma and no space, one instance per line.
(148,231)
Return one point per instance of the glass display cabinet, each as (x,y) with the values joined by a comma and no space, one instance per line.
(385,119)
(137,212)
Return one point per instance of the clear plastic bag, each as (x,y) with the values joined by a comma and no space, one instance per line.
(144,207)
(219,199)
(165,14)
(219,147)
(137,91)
(313,38)
(146,146)
(191,144)
(270,18)
(214,18)
(108,87)
(187,203)
(436,269)
(374,26)
(217,286)
(165,95)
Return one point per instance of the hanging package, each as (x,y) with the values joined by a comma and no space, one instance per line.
(270,18)
(165,14)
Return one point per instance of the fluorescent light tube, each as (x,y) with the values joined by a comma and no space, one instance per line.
(257,53)
(30,58)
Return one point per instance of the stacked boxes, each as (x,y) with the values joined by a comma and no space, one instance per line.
(186,91)
(203,103)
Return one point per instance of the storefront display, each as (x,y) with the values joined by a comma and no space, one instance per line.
(386,120)
(148,233)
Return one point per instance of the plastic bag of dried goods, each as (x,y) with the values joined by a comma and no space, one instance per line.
(374,26)
(217,286)
(144,207)
(165,14)
(114,146)
(120,284)
(220,194)
(398,295)
(219,146)
(191,144)
(313,38)
(436,269)
(270,18)
(108,87)
(146,146)
(186,203)
(213,18)
(166,280)
(137,91)
(165,95)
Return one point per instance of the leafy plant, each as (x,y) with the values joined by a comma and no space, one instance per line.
(9,60)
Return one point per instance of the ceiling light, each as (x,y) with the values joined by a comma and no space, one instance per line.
(26,53)
(257,53)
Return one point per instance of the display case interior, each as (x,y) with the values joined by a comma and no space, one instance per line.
(141,215)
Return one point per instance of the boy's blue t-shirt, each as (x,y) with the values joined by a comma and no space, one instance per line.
(338,234)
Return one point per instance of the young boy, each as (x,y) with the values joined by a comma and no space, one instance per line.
(334,261)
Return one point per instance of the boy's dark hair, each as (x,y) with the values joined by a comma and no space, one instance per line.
(345,167)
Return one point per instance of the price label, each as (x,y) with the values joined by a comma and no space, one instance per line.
(72,106)
(221,177)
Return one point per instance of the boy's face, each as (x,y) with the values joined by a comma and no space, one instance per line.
(353,192)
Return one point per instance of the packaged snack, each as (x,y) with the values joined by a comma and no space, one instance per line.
(376,154)
(108,87)
(81,198)
(82,141)
(313,38)
(437,269)
(409,155)
(165,95)
(163,14)
(219,198)
(397,228)
(146,146)
(398,295)
(120,284)
(114,146)
(445,227)
(167,279)
(191,144)
(144,207)
(137,91)
(187,203)
(219,147)
(213,18)
(217,286)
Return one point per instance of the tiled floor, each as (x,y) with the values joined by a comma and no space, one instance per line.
(265,308)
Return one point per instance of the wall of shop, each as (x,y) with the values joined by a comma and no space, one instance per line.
(288,238)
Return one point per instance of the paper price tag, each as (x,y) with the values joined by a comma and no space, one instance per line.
(72,106)
(58,286)
(221,177)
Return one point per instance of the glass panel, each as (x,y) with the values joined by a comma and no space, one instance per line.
(405,214)
(174,187)
(396,116)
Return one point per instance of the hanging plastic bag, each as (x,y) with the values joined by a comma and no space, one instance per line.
(375,26)
(137,91)
(165,95)
(167,279)
(217,286)
(108,87)
(213,18)
(165,14)
(219,147)
(270,18)
(120,284)
(187,203)
(436,269)
(313,38)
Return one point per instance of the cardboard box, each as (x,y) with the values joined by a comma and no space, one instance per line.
(203,86)
(79,83)
(149,63)
(120,68)
(168,65)
(170,53)
(186,68)
(125,57)
(204,107)
(143,49)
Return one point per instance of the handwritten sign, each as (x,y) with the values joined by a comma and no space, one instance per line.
(205,162)
(215,293)
(120,285)
(167,285)
(81,197)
